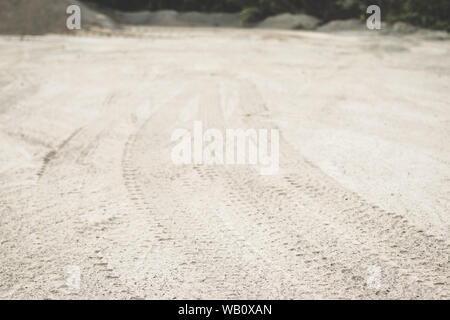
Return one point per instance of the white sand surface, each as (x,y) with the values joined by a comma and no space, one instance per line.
(359,209)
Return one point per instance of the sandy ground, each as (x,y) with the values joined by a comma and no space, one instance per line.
(359,209)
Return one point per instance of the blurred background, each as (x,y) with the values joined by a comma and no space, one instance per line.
(49,16)
(432,14)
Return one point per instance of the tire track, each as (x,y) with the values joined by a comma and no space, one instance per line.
(387,235)
(51,155)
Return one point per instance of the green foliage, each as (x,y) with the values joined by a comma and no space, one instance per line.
(434,14)
(250,15)
(425,13)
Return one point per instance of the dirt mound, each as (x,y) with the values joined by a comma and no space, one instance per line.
(163,17)
(392,29)
(290,21)
(44,16)
(210,19)
(343,25)
(173,18)
(404,29)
